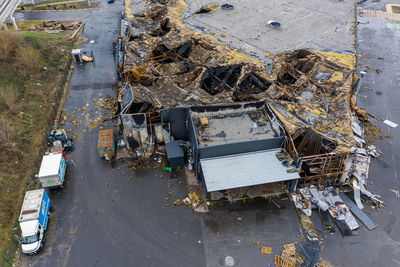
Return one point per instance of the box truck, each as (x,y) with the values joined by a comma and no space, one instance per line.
(33,220)
(52,170)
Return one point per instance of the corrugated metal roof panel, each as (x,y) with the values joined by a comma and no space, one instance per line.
(244,169)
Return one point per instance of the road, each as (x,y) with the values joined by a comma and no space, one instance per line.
(103,217)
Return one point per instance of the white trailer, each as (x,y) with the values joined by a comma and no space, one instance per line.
(52,170)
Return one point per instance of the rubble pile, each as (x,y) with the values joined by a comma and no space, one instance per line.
(51,26)
(165,64)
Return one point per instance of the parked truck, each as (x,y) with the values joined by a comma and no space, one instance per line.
(52,170)
(33,220)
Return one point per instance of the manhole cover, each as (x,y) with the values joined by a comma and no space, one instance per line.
(229,261)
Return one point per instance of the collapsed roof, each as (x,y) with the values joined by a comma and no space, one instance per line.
(167,64)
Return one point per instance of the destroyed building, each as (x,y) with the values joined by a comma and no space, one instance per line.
(180,85)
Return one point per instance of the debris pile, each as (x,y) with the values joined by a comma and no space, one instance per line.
(58,140)
(54,26)
(289,256)
(165,64)
(299,253)
(207,8)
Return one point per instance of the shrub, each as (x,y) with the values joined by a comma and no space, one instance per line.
(28,61)
(7,133)
(9,99)
(9,41)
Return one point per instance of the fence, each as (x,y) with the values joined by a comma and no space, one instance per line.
(10,252)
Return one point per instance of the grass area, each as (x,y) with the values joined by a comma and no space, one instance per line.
(45,3)
(57,5)
(66,6)
(25,24)
(396,9)
(32,66)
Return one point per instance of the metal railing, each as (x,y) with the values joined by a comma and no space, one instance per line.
(7,8)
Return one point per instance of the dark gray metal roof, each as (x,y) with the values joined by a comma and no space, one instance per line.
(245,169)
(174,150)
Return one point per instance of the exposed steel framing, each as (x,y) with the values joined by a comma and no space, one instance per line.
(326,169)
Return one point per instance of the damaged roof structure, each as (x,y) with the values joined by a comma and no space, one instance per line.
(180,84)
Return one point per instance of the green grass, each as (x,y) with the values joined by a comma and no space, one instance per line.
(66,6)
(36,38)
(45,3)
(396,9)
(7,76)
(25,24)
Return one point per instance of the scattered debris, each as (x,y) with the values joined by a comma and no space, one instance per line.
(207,9)
(87,58)
(397,192)
(358,212)
(264,250)
(55,27)
(58,140)
(390,123)
(227,6)
(273,24)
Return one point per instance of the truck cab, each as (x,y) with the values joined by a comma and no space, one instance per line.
(32,237)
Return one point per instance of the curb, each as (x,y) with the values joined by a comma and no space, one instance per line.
(60,10)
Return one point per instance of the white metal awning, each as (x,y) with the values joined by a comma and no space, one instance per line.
(245,169)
